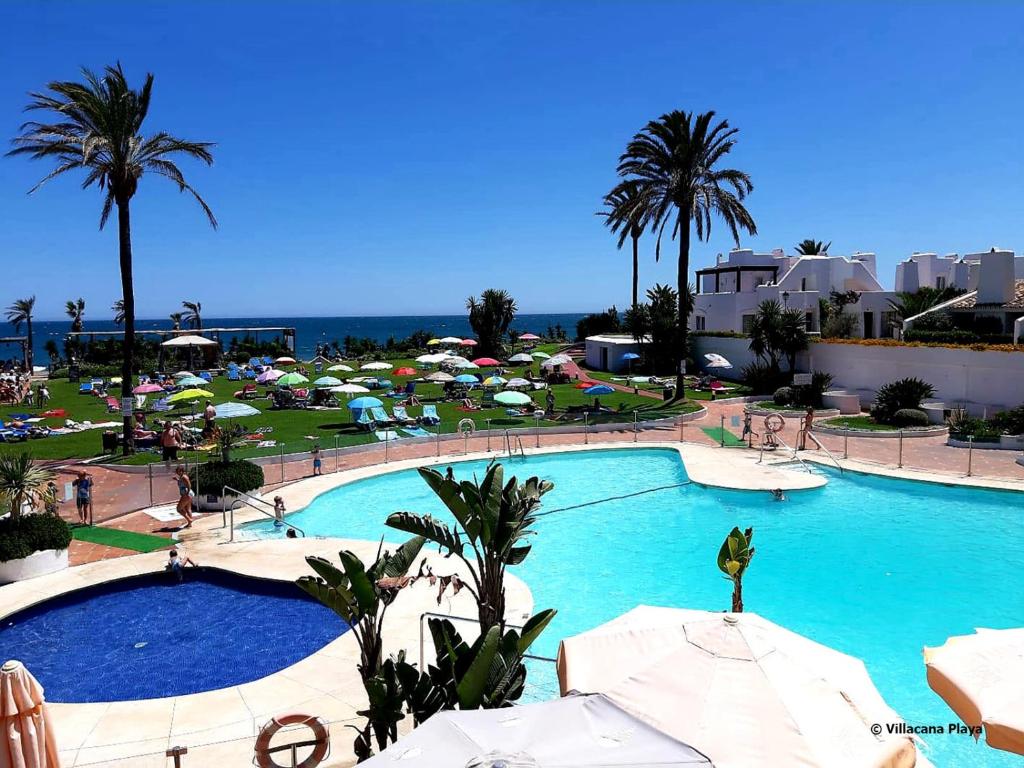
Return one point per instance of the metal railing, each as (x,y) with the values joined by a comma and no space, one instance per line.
(252,501)
(828,453)
(513,442)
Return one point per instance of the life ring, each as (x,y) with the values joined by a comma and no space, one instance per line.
(321,742)
(774,422)
(466,426)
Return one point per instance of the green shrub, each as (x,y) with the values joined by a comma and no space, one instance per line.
(761,377)
(898,395)
(32,533)
(910,417)
(811,394)
(783,396)
(239,474)
(1010,422)
(951,336)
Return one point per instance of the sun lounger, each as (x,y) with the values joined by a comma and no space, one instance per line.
(233,375)
(112,405)
(385,435)
(430,415)
(206,375)
(381,416)
(402,416)
(85,388)
(365,421)
(249,373)
(416,432)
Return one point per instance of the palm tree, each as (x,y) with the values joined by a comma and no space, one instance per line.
(674,160)
(913,303)
(176,320)
(191,315)
(99,132)
(76,311)
(490,318)
(118,309)
(733,560)
(23,481)
(625,215)
(21,312)
(813,247)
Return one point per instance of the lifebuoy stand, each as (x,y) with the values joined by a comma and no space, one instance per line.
(321,742)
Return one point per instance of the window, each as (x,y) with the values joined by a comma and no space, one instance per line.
(700,322)
(748,324)
(803,283)
(940,282)
(809,321)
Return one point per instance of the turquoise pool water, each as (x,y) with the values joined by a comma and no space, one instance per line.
(875,567)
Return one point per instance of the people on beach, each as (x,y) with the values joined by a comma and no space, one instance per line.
(52,501)
(747,428)
(279,511)
(549,403)
(83,496)
(317,461)
(209,414)
(169,443)
(185,494)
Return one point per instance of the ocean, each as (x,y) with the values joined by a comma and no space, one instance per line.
(309,330)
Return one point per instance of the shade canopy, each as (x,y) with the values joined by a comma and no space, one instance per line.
(325,382)
(981,678)
(486,361)
(521,357)
(750,693)
(433,342)
(468,342)
(190,340)
(187,395)
(512,398)
(269,375)
(716,361)
(349,389)
(432,359)
(574,732)
(464,364)
(529,337)
(406,371)
(551,362)
(451,340)
(285,360)
(439,377)
(291,379)
(518,382)
(362,403)
(631,356)
(341,367)
(467,378)
(183,374)
(235,410)
(191,381)
(147,389)
(27,738)
(495,381)
(540,355)
(598,389)
(376,366)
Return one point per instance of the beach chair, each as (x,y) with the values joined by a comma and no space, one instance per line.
(430,415)
(113,406)
(381,416)
(267,361)
(85,388)
(250,373)
(402,416)
(301,398)
(233,374)
(206,376)
(161,405)
(365,421)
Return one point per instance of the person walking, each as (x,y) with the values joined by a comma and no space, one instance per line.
(185,495)
(209,414)
(83,496)
(169,443)
(317,461)
(807,426)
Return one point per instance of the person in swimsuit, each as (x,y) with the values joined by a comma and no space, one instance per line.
(169,443)
(279,511)
(317,462)
(176,563)
(83,496)
(184,494)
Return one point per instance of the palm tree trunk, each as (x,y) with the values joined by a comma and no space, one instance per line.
(124,237)
(737,596)
(30,357)
(682,280)
(636,270)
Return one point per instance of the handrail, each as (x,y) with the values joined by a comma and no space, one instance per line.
(509,451)
(247,498)
(796,456)
(828,453)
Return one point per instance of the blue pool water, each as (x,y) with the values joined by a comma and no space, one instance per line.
(875,567)
(150,636)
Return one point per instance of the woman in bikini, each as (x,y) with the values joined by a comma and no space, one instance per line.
(185,494)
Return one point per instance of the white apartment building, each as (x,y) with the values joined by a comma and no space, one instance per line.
(930,270)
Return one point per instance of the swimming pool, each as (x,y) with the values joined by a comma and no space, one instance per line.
(150,636)
(873,566)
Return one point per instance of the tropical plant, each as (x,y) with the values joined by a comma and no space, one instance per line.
(792,336)
(21,312)
(761,377)
(76,311)
(24,482)
(898,395)
(244,476)
(1010,422)
(192,315)
(910,417)
(118,309)
(52,351)
(655,324)
(625,215)
(733,560)
(176,319)
(810,247)
(490,317)
(911,304)
(811,394)
(836,322)
(783,396)
(361,595)
(674,161)
(98,131)
(22,536)
(493,521)
(597,323)
(777,333)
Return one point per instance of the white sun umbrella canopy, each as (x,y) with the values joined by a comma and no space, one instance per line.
(376,366)
(184,375)
(349,389)
(574,732)
(235,411)
(326,382)
(518,382)
(439,377)
(750,693)
(341,367)
(465,364)
(189,340)
(512,398)
(521,357)
(716,361)
(556,360)
(451,340)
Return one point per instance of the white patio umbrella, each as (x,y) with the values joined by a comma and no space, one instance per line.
(521,357)
(465,364)
(425,359)
(716,361)
(326,382)
(235,411)
(750,693)
(285,360)
(439,377)
(376,366)
(189,340)
(517,382)
(451,340)
(540,355)
(512,398)
(184,375)
(28,739)
(574,732)
(551,362)
(349,389)
(341,367)
(981,678)
(455,359)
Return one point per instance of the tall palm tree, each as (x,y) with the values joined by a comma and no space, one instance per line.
(21,312)
(813,247)
(76,311)
(99,131)
(490,317)
(625,215)
(192,316)
(674,160)
(176,320)
(118,309)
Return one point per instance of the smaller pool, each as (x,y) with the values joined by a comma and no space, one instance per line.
(150,636)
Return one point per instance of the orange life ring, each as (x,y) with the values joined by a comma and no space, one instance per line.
(774,422)
(321,740)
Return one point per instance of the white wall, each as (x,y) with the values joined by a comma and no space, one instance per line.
(616,350)
(736,351)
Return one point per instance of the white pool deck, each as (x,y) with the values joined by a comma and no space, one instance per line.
(218,726)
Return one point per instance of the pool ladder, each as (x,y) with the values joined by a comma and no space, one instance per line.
(782,442)
(252,501)
(828,453)
(513,445)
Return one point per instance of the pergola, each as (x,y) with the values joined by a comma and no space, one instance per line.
(23,342)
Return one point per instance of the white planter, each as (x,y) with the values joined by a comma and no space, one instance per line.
(212,502)
(37,564)
(847,403)
(1012,442)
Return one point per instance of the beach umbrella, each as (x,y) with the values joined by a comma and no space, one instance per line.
(147,389)
(468,343)
(341,367)
(487,361)
(406,371)
(522,357)
(584,384)
(467,378)
(714,361)
(512,398)
(556,360)
(980,677)
(631,356)
(540,355)
(451,340)
(191,381)
(494,381)
(28,739)
(376,366)
(529,337)
(187,395)
(464,364)
(598,389)
(235,410)
(189,340)
(285,360)
(349,389)
(425,359)
(572,732)
(439,377)
(324,382)
(291,379)
(362,403)
(269,375)
(518,382)
(695,674)
(183,374)
(433,342)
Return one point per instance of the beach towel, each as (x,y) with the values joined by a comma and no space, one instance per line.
(386,434)
(55,413)
(266,443)
(20,416)
(416,432)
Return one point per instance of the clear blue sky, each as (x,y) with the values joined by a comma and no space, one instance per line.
(393,158)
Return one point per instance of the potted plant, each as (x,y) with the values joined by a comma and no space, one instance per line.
(209,480)
(33,541)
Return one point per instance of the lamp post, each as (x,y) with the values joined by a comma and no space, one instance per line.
(785,299)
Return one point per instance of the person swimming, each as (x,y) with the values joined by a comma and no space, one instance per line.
(778,495)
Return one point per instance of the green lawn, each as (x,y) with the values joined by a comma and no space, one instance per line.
(735,388)
(297,430)
(857,422)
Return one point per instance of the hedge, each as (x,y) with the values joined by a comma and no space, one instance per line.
(239,474)
(894,343)
(32,533)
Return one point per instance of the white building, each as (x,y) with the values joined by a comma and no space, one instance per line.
(728,294)
(604,352)
(927,270)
